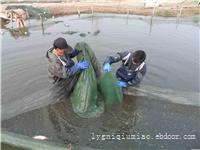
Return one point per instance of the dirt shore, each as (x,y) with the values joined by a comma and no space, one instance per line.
(129,7)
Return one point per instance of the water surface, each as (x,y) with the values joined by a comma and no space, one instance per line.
(31,106)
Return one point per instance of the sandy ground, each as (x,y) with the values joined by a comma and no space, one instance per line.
(170,8)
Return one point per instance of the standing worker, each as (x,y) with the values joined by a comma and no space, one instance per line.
(132,69)
(61,66)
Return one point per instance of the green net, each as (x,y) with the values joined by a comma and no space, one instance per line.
(109,89)
(85,97)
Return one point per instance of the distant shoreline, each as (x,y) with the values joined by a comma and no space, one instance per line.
(164,10)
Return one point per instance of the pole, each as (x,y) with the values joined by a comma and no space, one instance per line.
(79,13)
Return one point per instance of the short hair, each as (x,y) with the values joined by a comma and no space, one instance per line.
(139,55)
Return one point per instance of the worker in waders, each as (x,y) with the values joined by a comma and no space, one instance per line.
(62,69)
(132,69)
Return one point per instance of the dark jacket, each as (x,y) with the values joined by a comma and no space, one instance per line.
(128,72)
(61,67)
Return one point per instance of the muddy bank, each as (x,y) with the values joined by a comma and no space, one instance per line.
(165,10)
(172,9)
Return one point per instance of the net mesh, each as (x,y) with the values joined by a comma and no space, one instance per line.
(93,84)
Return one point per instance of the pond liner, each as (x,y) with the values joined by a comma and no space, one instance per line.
(93,89)
(27,143)
(22,142)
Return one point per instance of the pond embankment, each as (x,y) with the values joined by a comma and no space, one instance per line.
(136,7)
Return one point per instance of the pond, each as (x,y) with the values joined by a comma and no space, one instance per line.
(31,106)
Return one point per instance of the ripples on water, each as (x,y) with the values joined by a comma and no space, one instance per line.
(172,61)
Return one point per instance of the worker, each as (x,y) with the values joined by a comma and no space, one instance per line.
(132,69)
(61,66)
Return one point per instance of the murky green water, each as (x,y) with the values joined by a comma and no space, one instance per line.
(31,106)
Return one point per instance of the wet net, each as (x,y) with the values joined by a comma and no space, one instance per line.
(93,89)
(109,89)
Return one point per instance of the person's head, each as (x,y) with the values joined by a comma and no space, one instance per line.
(139,56)
(61,46)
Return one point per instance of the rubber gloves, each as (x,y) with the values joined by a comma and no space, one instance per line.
(122,84)
(107,67)
(83,65)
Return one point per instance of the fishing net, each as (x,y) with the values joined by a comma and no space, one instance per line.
(84,96)
(87,94)
(109,89)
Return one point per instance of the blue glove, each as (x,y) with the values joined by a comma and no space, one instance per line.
(83,65)
(122,84)
(107,67)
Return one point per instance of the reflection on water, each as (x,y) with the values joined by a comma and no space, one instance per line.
(43,22)
(19,32)
(31,106)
